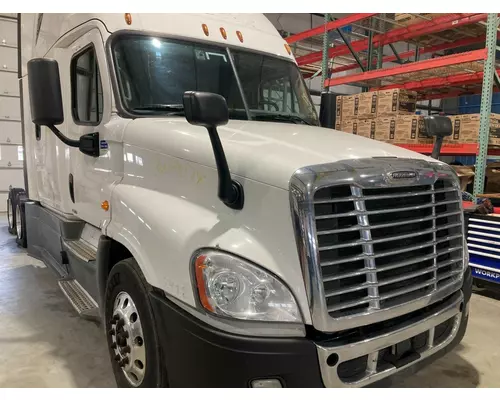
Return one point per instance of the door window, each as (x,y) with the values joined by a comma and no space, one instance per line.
(86,88)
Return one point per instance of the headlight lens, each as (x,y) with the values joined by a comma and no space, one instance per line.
(231,287)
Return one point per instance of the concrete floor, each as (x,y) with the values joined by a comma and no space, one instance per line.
(45,344)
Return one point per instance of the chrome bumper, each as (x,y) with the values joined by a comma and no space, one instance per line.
(371,346)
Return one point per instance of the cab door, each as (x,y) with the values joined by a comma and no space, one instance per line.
(91,179)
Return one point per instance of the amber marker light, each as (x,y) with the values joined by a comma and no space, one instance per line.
(223,32)
(205,29)
(128,18)
(105,205)
(240,36)
(199,266)
(288,49)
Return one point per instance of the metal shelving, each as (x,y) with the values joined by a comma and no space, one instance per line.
(361,38)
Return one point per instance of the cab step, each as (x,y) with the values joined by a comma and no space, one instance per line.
(81,249)
(82,302)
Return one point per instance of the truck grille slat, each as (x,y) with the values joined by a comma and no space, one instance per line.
(389,210)
(383,247)
(387,196)
(389,238)
(388,225)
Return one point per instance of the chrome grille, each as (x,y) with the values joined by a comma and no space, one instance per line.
(372,249)
(383,247)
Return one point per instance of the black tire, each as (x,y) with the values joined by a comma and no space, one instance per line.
(11,211)
(21,221)
(11,217)
(126,276)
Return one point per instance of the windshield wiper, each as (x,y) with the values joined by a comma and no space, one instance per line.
(171,109)
(283,117)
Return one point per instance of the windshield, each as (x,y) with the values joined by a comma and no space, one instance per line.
(153,74)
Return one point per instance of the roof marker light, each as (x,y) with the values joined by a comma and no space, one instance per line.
(223,32)
(128,18)
(240,36)
(205,29)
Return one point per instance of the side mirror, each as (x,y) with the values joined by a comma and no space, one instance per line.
(440,127)
(210,111)
(45,92)
(328,110)
(46,104)
(205,109)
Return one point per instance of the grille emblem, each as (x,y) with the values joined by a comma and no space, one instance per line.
(402,175)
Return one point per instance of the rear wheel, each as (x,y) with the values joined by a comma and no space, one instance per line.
(131,330)
(20,221)
(10,217)
(12,202)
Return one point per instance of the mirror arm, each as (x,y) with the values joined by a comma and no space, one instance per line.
(229,191)
(436,150)
(64,139)
(88,143)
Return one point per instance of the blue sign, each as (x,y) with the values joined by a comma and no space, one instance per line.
(104,144)
(492,276)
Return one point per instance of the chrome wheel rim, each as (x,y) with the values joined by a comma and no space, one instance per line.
(9,213)
(18,222)
(127,339)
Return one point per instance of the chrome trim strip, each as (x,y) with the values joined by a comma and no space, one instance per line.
(363,174)
(372,345)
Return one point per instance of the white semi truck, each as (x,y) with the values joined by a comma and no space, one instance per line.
(181,187)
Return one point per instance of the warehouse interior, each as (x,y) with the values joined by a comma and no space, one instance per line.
(392,78)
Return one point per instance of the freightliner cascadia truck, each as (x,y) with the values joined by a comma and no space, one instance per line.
(181,187)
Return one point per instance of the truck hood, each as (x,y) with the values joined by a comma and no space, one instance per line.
(268,152)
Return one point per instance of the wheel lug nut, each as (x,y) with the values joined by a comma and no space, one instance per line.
(111,332)
(113,345)
(126,349)
(125,334)
(123,362)
(116,317)
(120,323)
(117,358)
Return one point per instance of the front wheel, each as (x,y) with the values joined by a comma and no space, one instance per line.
(131,330)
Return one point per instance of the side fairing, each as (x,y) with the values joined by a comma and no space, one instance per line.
(166,208)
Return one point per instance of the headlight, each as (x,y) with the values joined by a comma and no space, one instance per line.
(231,287)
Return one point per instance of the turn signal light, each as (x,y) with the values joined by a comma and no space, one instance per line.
(199,266)
(288,49)
(128,18)
(223,33)
(105,205)
(240,36)
(205,29)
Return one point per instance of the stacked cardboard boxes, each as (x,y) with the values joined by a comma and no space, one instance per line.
(378,115)
(466,129)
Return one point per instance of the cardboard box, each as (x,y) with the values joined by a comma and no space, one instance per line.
(494,130)
(455,136)
(492,178)
(347,107)
(350,126)
(411,129)
(396,102)
(385,128)
(338,108)
(367,105)
(465,174)
(366,127)
(466,129)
